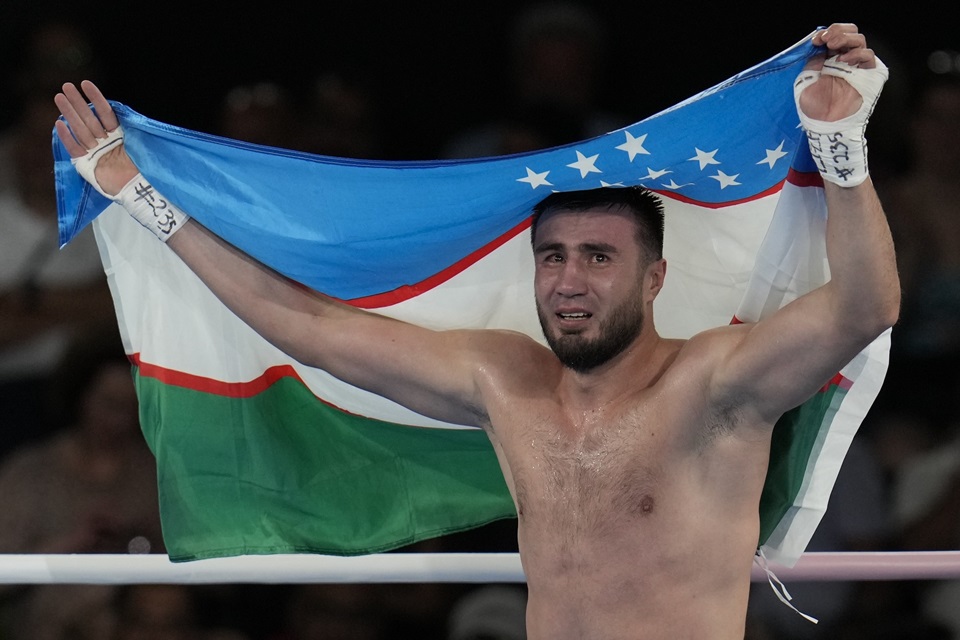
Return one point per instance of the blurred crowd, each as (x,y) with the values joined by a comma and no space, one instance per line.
(76,475)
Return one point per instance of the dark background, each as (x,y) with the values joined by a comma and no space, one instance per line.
(438,66)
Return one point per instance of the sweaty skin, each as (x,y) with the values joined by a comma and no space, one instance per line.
(636,494)
(637,481)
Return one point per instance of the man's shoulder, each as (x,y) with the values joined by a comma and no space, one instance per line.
(511,348)
(505,338)
(716,340)
(699,358)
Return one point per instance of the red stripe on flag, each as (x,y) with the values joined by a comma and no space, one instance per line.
(406,292)
(838,381)
(720,205)
(804,178)
(409,291)
(212,386)
(216,387)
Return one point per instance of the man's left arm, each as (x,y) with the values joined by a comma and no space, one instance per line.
(779,362)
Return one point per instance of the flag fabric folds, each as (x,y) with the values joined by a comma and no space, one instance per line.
(259,454)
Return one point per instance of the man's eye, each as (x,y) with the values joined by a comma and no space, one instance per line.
(599,257)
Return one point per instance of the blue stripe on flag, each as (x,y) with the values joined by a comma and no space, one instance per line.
(355,228)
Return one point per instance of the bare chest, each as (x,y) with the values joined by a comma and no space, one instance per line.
(589,477)
(625,481)
(619,515)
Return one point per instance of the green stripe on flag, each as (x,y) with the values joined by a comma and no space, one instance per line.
(793,445)
(282,472)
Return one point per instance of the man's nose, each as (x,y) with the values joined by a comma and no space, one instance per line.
(571,281)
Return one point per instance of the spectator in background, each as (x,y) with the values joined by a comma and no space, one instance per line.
(337,116)
(491,612)
(858,518)
(913,426)
(47,295)
(156,612)
(918,432)
(333,612)
(261,113)
(420,610)
(343,119)
(926,502)
(923,204)
(164,612)
(557,55)
(50,51)
(89,488)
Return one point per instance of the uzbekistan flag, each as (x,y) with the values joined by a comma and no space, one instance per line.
(258,454)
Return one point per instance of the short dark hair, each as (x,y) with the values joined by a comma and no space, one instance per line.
(646,207)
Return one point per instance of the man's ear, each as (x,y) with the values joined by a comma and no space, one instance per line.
(653,279)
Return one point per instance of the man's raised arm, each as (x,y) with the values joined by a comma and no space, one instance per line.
(779,362)
(431,372)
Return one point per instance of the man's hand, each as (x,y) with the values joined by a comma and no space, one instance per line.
(86,128)
(94,140)
(835,97)
(832,98)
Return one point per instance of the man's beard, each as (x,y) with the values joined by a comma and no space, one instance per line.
(616,334)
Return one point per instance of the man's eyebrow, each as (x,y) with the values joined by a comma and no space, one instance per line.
(585,247)
(598,247)
(548,246)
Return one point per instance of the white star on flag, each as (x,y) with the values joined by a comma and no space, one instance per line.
(673,184)
(725,180)
(704,157)
(585,165)
(633,146)
(773,155)
(536,179)
(653,174)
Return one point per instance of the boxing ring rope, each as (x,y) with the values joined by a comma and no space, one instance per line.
(416,568)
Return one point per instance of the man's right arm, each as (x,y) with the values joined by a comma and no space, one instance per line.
(428,371)
(434,373)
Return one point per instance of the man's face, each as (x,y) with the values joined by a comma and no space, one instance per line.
(588,285)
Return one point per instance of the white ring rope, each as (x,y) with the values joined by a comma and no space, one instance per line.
(416,568)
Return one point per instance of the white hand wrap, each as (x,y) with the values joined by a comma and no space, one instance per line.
(151,209)
(839,148)
(86,165)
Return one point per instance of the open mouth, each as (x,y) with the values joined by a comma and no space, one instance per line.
(579,315)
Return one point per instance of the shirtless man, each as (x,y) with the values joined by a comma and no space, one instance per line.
(636,462)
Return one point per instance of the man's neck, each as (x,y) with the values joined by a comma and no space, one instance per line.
(639,366)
